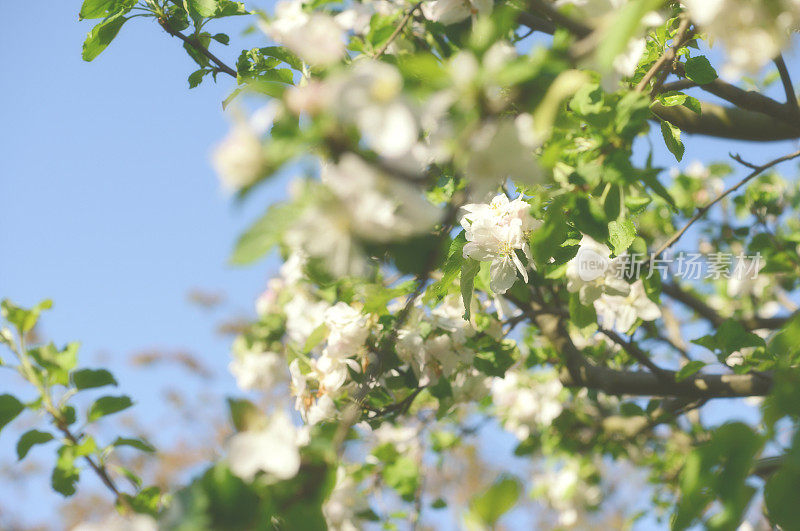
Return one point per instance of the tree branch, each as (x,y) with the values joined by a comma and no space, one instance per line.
(559,19)
(702,211)
(681,36)
(788,88)
(745,99)
(676,292)
(222,67)
(631,348)
(397,30)
(727,122)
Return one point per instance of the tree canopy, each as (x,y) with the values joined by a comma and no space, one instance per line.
(479,233)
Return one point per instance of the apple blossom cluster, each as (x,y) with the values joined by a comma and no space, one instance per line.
(358,203)
(434,344)
(753,33)
(597,280)
(563,487)
(495,231)
(527,402)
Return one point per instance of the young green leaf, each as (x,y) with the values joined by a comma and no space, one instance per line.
(672,137)
(689,369)
(24,320)
(469,269)
(199,9)
(29,439)
(91,378)
(10,407)
(65,474)
(102,35)
(102,8)
(621,235)
(107,405)
(139,444)
(496,501)
(699,70)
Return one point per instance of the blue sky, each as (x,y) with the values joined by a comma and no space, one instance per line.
(108,204)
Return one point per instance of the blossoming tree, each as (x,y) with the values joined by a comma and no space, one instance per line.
(481,233)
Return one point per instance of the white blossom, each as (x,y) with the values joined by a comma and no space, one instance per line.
(494,233)
(273,449)
(304,314)
(239,158)
(753,33)
(344,504)
(347,330)
(525,403)
(257,370)
(621,312)
(592,272)
(453,11)
(118,522)
(315,37)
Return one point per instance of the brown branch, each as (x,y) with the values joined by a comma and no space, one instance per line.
(788,88)
(397,30)
(221,66)
(702,211)
(745,99)
(727,122)
(559,19)
(679,85)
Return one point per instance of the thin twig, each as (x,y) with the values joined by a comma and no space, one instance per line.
(681,36)
(702,211)
(221,66)
(397,30)
(631,348)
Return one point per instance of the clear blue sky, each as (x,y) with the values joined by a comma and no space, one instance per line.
(108,204)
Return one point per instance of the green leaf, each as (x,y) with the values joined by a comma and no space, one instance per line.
(139,444)
(496,501)
(102,35)
(283,54)
(494,362)
(581,315)
(57,362)
(196,77)
(672,98)
(199,9)
(672,137)
(65,474)
(102,8)
(589,217)
(689,369)
(264,234)
(403,476)
(91,378)
(450,270)
(10,407)
(24,320)
(221,38)
(108,405)
(699,70)
(244,415)
(621,235)
(469,269)
(29,439)
(693,104)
